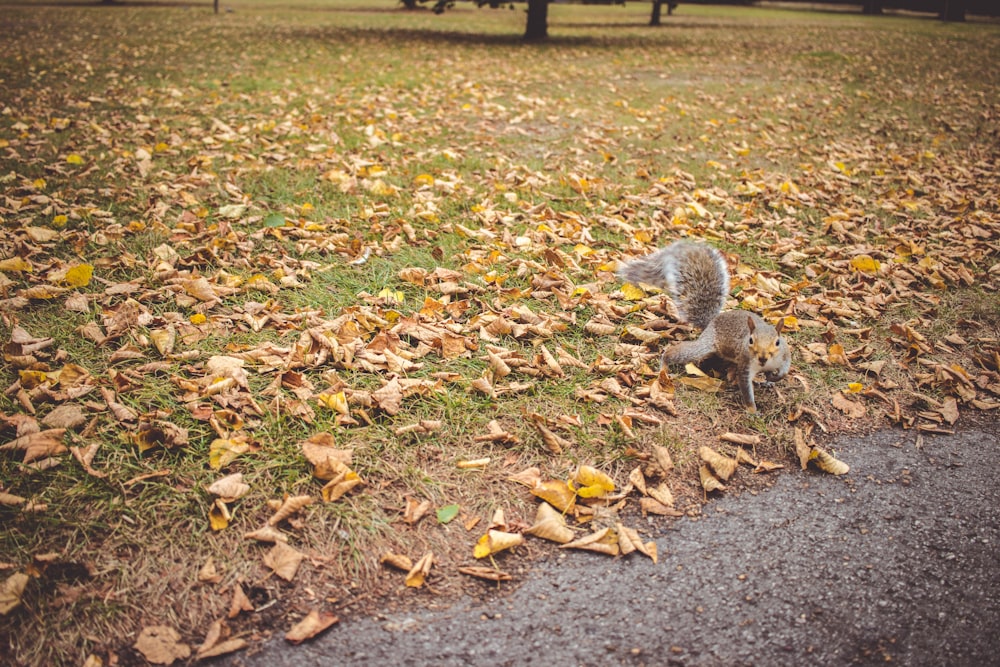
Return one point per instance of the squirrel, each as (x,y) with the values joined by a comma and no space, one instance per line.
(697,279)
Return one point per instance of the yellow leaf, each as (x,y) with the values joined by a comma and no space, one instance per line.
(583,250)
(423,179)
(219,515)
(632,293)
(855,387)
(31,379)
(79,275)
(73,158)
(557,493)
(392,296)
(38,183)
(495,541)
(865,264)
(418,574)
(15,264)
(336,402)
(198,318)
(59,221)
(592,482)
(224,451)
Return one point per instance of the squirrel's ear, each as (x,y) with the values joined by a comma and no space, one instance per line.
(750,324)
(779,326)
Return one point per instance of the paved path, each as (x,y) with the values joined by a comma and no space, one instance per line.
(898,561)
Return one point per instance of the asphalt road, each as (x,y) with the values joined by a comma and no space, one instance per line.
(897,561)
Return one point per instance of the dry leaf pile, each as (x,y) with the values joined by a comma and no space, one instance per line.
(306,330)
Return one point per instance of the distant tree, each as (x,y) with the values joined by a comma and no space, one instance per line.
(654,19)
(953,10)
(538,20)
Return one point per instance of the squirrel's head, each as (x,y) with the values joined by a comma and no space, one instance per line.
(770,350)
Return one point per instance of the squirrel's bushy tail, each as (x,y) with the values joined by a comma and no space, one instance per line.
(694,274)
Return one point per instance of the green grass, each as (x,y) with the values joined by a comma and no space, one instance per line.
(827,135)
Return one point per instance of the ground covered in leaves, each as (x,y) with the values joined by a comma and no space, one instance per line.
(304,308)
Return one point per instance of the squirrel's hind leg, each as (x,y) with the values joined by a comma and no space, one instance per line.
(685,352)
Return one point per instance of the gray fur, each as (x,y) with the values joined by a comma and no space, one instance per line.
(694,274)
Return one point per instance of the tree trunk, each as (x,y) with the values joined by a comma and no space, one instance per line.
(954,10)
(215,5)
(655,18)
(872,7)
(538,20)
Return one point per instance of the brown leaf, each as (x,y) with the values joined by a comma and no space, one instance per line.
(662,494)
(398,561)
(852,409)
(11,591)
(603,541)
(65,416)
(161,645)
(288,507)
(663,459)
(417,575)
(40,445)
(415,510)
(283,560)
(482,572)
(741,438)
(653,506)
(209,573)
(313,624)
(550,524)
(802,448)
(230,487)
(266,534)
(708,480)
(553,443)
(240,602)
(723,466)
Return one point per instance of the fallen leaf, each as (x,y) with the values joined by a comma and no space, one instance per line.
(550,524)
(161,645)
(852,409)
(230,487)
(708,480)
(266,534)
(313,624)
(415,510)
(827,463)
(482,572)
(629,541)
(722,466)
(447,513)
(557,493)
(495,541)
(592,483)
(240,602)
(288,507)
(417,575)
(65,417)
(398,561)
(11,591)
(284,560)
(602,541)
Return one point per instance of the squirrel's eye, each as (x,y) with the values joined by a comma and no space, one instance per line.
(778,343)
